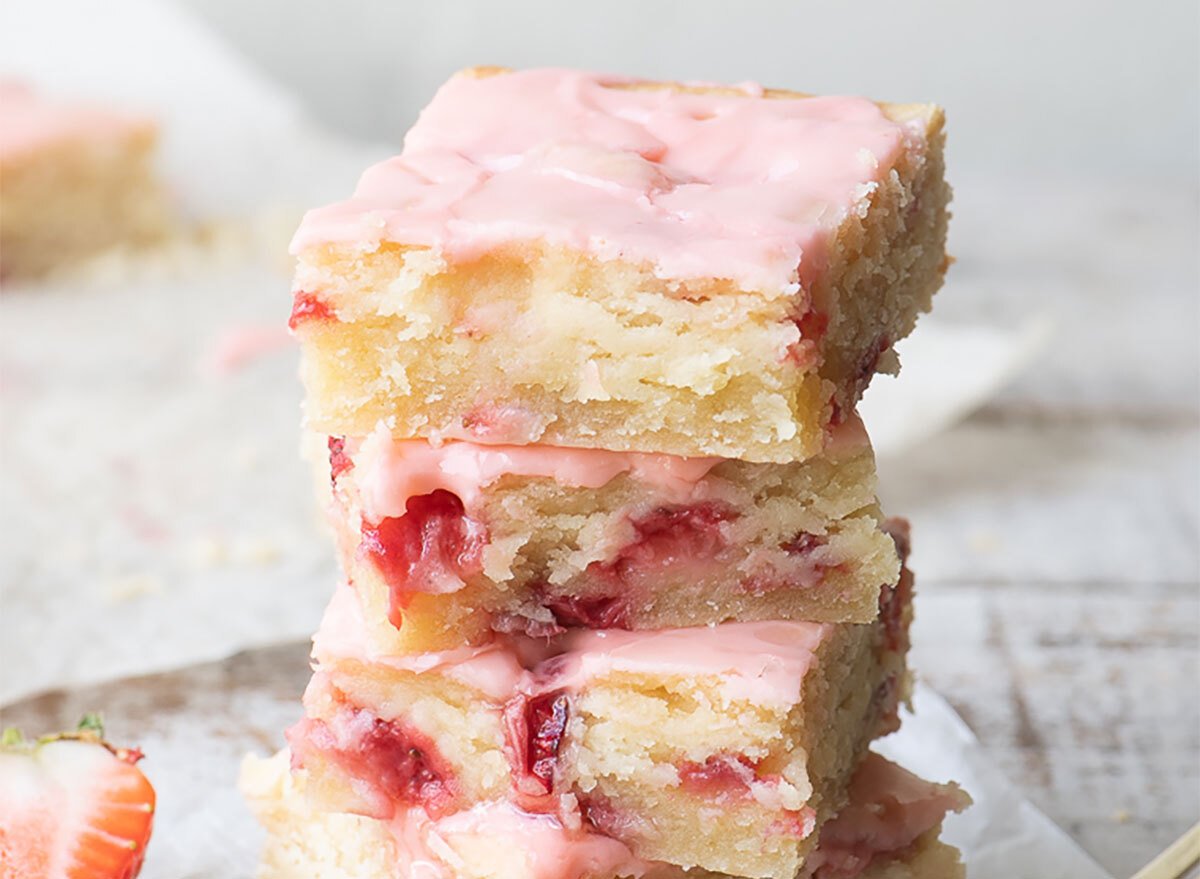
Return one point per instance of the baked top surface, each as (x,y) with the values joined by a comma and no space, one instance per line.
(696,181)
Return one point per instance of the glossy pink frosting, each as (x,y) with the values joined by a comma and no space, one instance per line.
(745,188)
(29,121)
(549,848)
(889,809)
(543,844)
(764,662)
(390,471)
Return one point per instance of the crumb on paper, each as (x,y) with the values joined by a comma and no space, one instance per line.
(127,587)
(247,456)
(1122,816)
(206,551)
(256,551)
(984,542)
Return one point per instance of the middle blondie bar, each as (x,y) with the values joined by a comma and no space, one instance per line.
(449,543)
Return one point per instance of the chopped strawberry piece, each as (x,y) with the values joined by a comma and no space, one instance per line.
(72,807)
(428,549)
(339,461)
(602,612)
(534,727)
(798,824)
(401,765)
(599,812)
(719,776)
(668,535)
(867,364)
(895,601)
(802,543)
(806,350)
(305,307)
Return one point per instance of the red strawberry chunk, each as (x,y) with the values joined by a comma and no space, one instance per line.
(305,307)
(600,612)
(428,549)
(668,535)
(339,461)
(894,601)
(534,728)
(719,777)
(802,543)
(401,765)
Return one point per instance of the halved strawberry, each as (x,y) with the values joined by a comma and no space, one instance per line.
(72,807)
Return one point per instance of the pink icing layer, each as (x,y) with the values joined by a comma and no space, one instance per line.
(29,122)
(764,662)
(549,848)
(495,669)
(889,809)
(696,185)
(390,471)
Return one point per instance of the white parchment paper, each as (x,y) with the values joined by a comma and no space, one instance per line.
(153,509)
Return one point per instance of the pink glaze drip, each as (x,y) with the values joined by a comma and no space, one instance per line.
(29,122)
(846,437)
(889,808)
(696,185)
(391,471)
(495,669)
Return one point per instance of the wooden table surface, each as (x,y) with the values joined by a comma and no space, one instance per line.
(1056,531)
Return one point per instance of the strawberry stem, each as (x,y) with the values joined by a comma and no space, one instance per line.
(91,722)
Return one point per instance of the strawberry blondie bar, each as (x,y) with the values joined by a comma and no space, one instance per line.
(888,830)
(446,544)
(577,259)
(720,747)
(77,179)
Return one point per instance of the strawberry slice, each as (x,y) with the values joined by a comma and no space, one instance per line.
(72,807)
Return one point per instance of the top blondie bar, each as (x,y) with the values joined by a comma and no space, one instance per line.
(579,259)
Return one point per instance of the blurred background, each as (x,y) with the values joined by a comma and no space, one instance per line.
(1051,464)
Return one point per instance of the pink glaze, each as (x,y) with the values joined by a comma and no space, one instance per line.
(550,847)
(889,809)
(391,471)
(495,669)
(29,122)
(695,185)
(763,662)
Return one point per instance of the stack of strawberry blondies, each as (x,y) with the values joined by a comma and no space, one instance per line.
(582,365)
